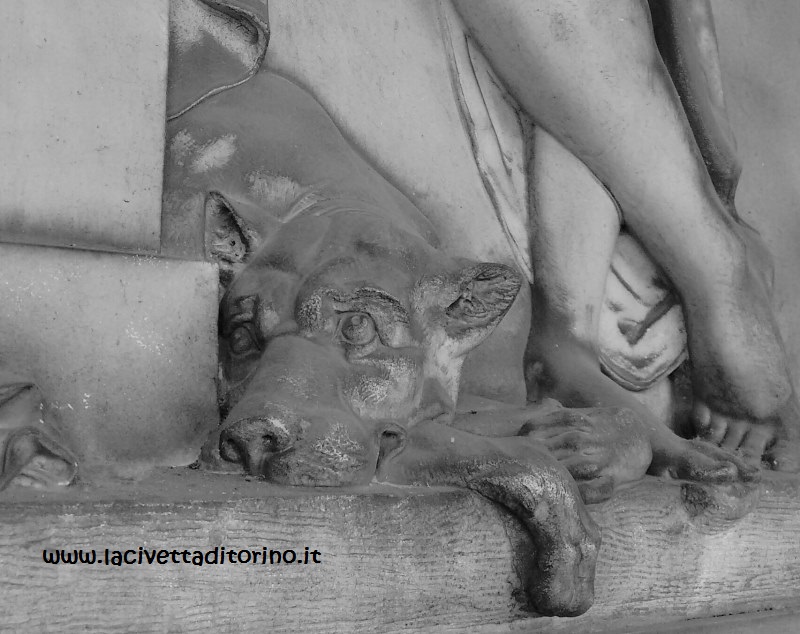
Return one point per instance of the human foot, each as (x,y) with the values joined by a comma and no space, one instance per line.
(773,443)
(736,352)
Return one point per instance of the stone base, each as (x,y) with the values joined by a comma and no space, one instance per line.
(391,559)
(123,347)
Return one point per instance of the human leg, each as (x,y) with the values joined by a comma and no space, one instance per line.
(590,73)
(686,38)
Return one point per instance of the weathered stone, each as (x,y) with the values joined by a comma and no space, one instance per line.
(392,559)
(82,122)
(123,347)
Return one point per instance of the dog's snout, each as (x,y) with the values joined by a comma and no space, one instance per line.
(251,442)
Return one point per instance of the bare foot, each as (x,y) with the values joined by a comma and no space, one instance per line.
(602,448)
(772,443)
(737,355)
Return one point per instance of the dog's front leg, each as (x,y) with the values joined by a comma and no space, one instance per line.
(529,482)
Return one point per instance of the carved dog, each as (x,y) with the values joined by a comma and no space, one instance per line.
(343,331)
(342,342)
(343,327)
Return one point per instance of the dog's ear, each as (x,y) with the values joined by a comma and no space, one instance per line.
(229,239)
(467,305)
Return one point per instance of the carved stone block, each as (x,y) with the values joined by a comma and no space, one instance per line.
(82,122)
(392,559)
(124,347)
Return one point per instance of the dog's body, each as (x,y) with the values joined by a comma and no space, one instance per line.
(344,328)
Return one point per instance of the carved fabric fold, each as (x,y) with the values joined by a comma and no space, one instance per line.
(214,45)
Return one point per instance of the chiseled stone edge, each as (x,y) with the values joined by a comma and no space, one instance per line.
(394,558)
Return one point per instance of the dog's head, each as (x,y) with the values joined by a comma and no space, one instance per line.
(337,334)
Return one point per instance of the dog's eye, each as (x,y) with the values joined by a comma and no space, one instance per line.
(358,329)
(242,341)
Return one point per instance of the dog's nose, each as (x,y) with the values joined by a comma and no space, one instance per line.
(252,441)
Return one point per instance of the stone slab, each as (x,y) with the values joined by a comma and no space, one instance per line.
(766,622)
(82,109)
(393,559)
(123,346)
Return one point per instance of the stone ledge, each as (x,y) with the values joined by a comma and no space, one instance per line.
(124,348)
(393,559)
